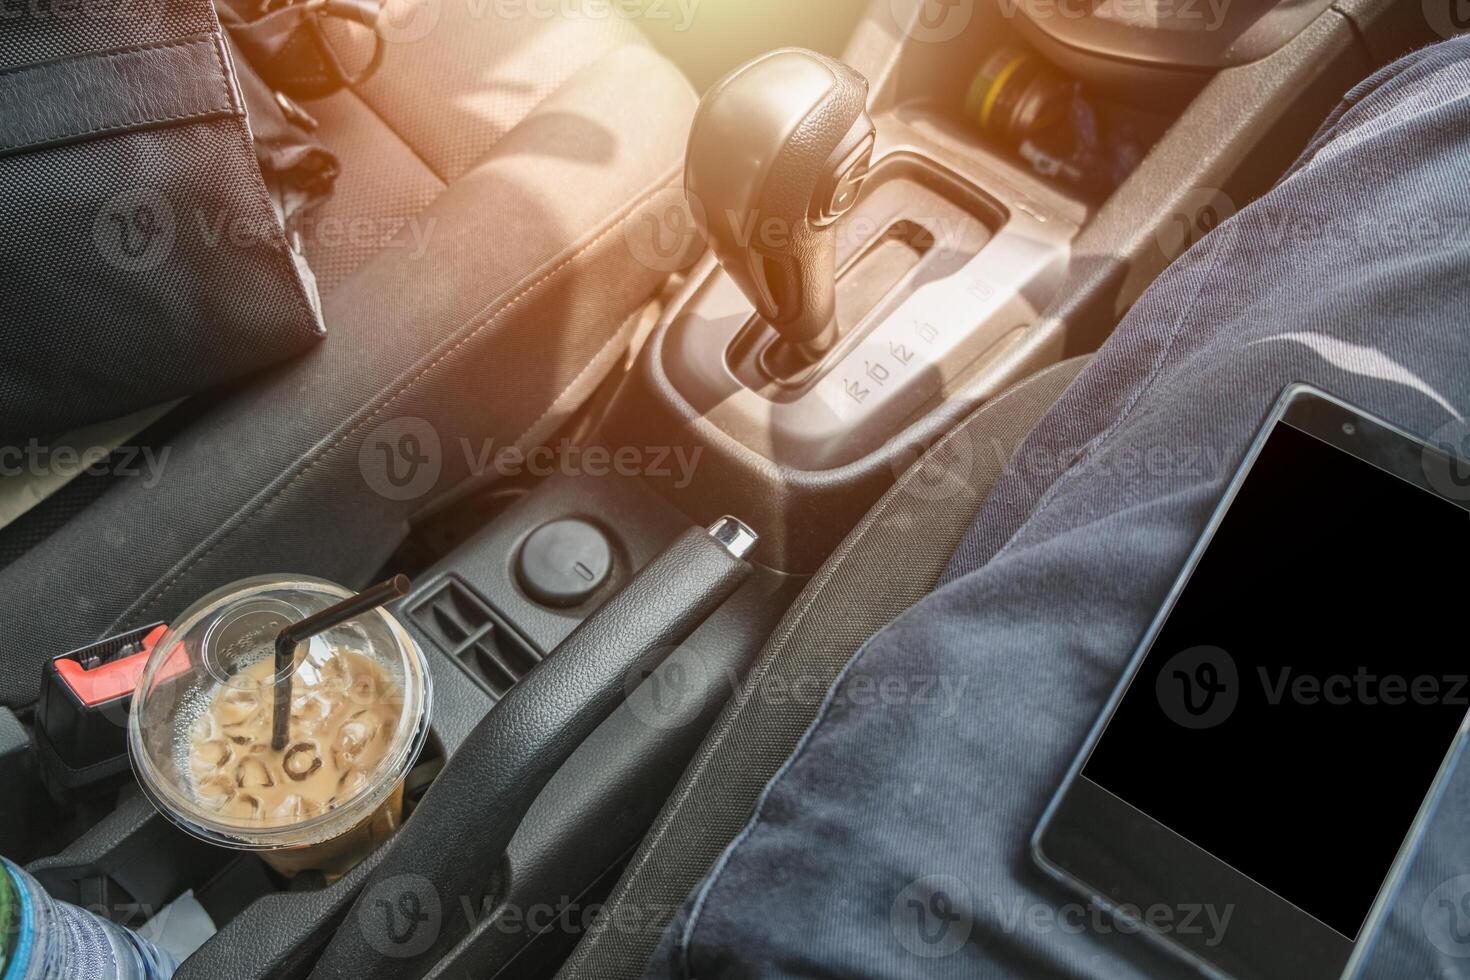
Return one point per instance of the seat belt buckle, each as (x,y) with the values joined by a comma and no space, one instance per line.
(81,722)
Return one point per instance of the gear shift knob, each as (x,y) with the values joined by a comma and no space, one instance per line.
(778,151)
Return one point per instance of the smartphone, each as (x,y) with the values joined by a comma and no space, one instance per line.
(1284,730)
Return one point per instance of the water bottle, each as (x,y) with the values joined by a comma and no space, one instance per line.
(44,939)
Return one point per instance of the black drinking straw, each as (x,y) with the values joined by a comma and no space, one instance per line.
(349,608)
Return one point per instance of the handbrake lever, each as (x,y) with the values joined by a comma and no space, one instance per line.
(459,832)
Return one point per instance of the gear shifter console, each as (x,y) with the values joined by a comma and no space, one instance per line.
(778,152)
(877,272)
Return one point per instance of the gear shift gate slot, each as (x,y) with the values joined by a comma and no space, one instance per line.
(911,227)
(860,288)
(950,321)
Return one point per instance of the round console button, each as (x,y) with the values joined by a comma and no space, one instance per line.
(563,563)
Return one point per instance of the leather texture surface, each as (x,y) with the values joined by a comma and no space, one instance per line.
(456,838)
(280,934)
(809,263)
(167,82)
(473,313)
(890,560)
(38,32)
(754,180)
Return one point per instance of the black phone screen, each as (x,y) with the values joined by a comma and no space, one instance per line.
(1295,707)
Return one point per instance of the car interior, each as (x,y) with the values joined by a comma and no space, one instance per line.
(670,345)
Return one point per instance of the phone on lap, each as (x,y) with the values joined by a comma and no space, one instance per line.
(1291,717)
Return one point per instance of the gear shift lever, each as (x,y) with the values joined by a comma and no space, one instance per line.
(778,152)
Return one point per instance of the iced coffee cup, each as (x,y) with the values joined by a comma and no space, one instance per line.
(203,713)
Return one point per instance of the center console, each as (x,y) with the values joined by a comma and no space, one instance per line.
(942,267)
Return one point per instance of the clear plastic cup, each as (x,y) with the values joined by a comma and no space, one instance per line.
(199,727)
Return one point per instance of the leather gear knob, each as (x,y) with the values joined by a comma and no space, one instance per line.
(778,151)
